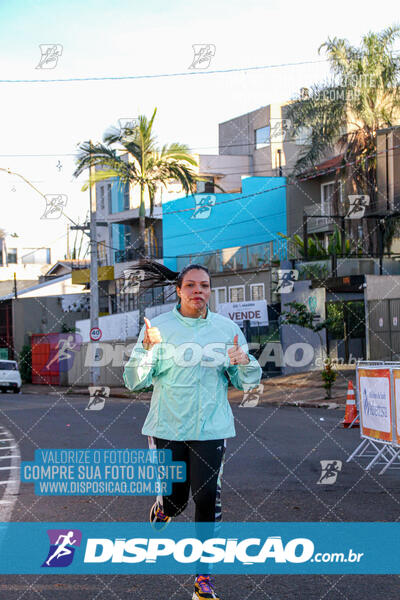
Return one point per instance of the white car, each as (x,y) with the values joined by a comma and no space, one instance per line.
(10,378)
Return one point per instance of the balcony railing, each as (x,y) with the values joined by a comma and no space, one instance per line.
(323,221)
(133,254)
(238,259)
(345,266)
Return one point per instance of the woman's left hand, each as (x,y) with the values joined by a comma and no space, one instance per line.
(236,354)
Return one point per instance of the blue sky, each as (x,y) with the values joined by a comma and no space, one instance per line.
(129,37)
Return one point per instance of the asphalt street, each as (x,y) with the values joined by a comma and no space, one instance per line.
(271,472)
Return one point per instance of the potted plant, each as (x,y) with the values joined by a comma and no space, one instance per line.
(328,375)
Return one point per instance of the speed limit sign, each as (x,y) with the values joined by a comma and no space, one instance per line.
(95,334)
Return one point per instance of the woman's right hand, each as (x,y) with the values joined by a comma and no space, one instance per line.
(152,335)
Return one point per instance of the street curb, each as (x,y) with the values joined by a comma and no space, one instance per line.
(297,404)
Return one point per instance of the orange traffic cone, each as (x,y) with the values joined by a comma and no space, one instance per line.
(351,408)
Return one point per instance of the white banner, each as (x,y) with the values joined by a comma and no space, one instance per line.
(375,403)
(256,312)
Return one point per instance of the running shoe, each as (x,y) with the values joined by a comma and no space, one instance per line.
(204,588)
(157,518)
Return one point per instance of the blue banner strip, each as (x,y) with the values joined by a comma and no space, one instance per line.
(262,548)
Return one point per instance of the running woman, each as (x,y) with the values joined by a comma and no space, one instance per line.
(189,411)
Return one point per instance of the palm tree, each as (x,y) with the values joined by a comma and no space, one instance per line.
(346,113)
(131,154)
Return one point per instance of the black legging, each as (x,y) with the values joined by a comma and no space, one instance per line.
(204,464)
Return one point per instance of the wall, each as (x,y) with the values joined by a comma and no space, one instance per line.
(225,280)
(379,287)
(39,315)
(121,326)
(228,169)
(245,220)
(236,136)
(112,360)
(292,334)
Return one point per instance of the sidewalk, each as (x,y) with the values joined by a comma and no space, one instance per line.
(303,389)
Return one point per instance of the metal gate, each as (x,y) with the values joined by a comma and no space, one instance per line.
(384,329)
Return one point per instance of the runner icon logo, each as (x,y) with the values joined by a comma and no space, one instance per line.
(98,397)
(329,471)
(62,547)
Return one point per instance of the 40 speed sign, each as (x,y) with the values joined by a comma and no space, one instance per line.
(95,334)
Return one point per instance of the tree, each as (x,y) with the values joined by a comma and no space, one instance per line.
(301,316)
(345,113)
(131,154)
(298,314)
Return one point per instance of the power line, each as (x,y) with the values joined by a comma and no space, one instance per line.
(162,75)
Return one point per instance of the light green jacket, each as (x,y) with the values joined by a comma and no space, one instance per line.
(190,400)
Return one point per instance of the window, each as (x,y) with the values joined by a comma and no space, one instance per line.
(41,256)
(236,293)
(170,293)
(327,194)
(127,236)
(257,291)
(8,366)
(101,251)
(108,195)
(101,197)
(126,197)
(12,256)
(205,187)
(218,296)
(263,136)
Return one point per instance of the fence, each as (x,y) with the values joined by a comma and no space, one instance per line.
(237,259)
(378,401)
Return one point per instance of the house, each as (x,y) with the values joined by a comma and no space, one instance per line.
(21,263)
(51,306)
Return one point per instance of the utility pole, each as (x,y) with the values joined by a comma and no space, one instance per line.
(94,284)
(68,250)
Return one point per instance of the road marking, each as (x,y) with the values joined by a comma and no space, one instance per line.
(12,485)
